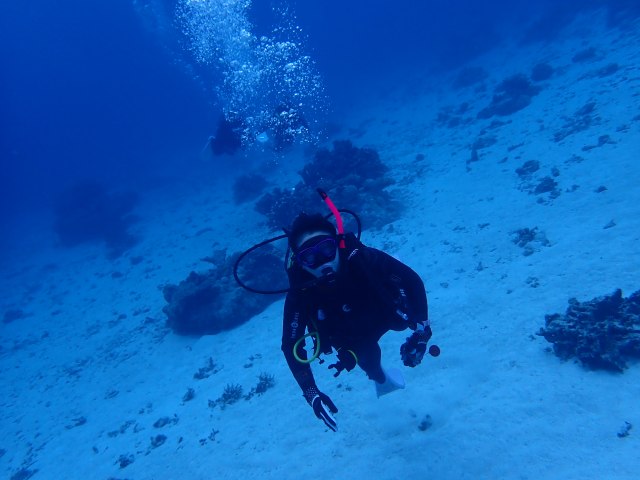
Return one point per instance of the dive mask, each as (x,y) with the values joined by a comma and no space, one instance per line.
(317,251)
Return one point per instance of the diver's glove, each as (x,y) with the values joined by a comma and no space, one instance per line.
(347,360)
(320,403)
(412,351)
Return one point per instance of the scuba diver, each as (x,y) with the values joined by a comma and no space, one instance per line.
(345,296)
(228,137)
(279,132)
(287,124)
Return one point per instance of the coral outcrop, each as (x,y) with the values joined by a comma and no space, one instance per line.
(211,302)
(603,333)
(354,177)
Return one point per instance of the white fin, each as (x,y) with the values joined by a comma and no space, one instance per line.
(393,381)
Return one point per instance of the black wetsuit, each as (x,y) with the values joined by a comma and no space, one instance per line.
(373,293)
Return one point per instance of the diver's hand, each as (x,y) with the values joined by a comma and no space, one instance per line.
(412,351)
(322,406)
(347,360)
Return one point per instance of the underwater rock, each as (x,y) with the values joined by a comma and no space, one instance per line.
(607,70)
(588,54)
(584,118)
(603,333)
(530,240)
(512,95)
(164,421)
(125,460)
(546,185)
(538,185)
(602,140)
(624,430)
(528,168)
(541,72)
(158,440)
(211,302)
(12,315)
(23,474)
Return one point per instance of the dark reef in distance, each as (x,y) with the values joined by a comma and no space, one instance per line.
(88,213)
(603,333)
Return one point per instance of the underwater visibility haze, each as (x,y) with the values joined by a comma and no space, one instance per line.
(490,146)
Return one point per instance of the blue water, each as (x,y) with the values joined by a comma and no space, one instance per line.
(108,89)
(107,105)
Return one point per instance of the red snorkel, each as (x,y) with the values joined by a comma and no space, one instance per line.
(288,260)
(336,214)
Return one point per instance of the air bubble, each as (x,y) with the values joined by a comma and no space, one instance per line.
(260,76)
